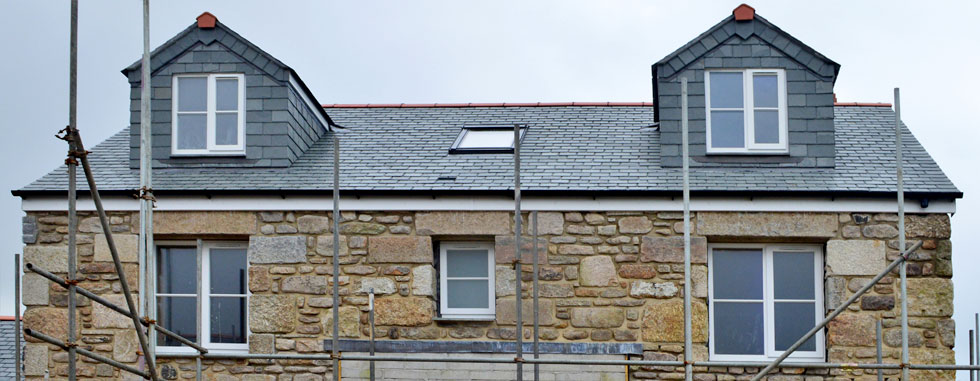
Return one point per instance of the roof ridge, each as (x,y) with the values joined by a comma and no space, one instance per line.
(538,104)
(482,104)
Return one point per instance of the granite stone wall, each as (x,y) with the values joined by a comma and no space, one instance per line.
(604,277)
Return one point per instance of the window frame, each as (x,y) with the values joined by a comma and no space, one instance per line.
(456,149)
(463,313)
(211,147)
(204,301)
(819,352)
(748,113)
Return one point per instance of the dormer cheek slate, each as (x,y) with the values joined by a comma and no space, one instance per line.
(282,119)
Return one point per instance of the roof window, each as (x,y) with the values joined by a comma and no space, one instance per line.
(486,139)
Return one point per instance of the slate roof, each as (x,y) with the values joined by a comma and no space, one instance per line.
(7,354)
(567,149)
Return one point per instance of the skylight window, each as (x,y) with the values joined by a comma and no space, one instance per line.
(486,139)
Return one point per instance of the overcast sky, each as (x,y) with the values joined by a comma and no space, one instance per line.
(492,51)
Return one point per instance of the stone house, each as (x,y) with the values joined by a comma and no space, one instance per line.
(793,199)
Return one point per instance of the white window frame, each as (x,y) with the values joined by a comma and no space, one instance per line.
(444,310)
(748,108)
(204,302)
(818,355)
(212,148)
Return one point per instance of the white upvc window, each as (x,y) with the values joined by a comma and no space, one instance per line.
(746,111)
(223,289)
(762,298)
(466,284)
(208,114)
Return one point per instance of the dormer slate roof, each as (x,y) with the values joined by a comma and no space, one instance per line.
(758,26)
(193,34)
(567,150)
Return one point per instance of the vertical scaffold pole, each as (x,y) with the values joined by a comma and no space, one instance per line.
(200,275)
(334,350)
(534,287)
(878,347)
(688,369)
(517,250)
(971,355)
(72,185)
(17,332)
(976,341)
(901,235)
(148,264)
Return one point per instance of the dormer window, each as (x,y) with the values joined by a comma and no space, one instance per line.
(209,114)
(746,111)
(486,139)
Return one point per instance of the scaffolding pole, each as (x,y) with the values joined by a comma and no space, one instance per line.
(335,354)
(517,251)
(534,288)
(17,354)
(72,171)
(688,369)
(147,263)
(558,361)
(899,186)
(878,347)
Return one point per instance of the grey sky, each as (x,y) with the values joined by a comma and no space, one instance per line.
(493,51)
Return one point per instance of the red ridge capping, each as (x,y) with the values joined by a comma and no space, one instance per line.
(7,318)
(862,104)
(206,20)
(744,13)
(499,104)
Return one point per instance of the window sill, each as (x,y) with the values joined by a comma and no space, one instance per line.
(207,154)
(183,351)
(487,318)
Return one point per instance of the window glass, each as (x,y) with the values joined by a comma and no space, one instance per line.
(466,263)
(226,129)
(765,90)
(738,274)
(792,320)
(468,293)
(739,328)
(228,271)
(192,131)
(177,270)
(227,94)
(792,275)
(179,315)
(192,94)
(767,126)
(727,129)
(228,320)
(726,89)
(486,138)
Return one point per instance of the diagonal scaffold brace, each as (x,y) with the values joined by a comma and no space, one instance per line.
(75,141)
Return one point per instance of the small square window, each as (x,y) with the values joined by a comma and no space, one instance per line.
(209,114)
(746,111)
(466,280)
(486,139)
